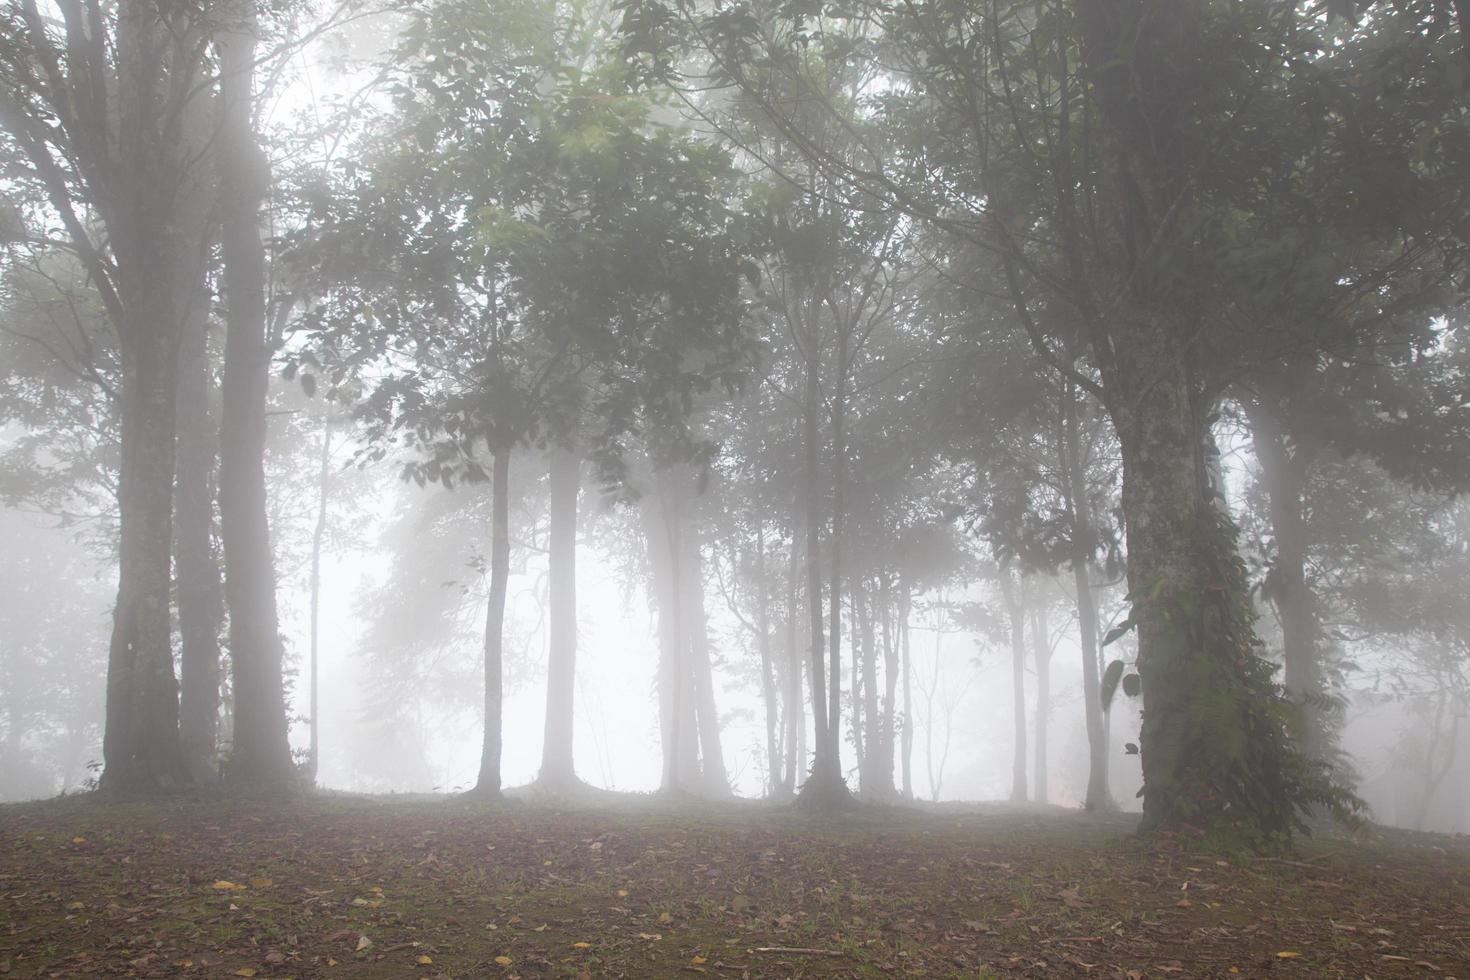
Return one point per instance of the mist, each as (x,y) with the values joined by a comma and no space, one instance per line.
(698,438)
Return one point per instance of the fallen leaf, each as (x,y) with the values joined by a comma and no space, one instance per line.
(504,960)
(183,963)
(622,893)
(245,971)
(650,936)
(79,840)
(424,960)
(261,882)
(331,962)
(664,918)
(363,943)
(1287,954)
(227,886)
(698,960)
(581,945)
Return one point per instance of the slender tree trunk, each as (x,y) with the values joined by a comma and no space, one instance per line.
(834,588)
(1041,642)
(768,676)
(318,538)
(873,786)
(713,776)
(1284,472)
(906,651)
(557,768)
(200,598)
(1015,606)
(1079,512)
(795,707)
(855,722)
(826,765)
(884,767)
(488,783)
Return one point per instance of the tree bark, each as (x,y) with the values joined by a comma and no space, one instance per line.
(1079,513)
(318,538)
(200,599)
(557,768)
(1284,465)
(795,706)
(908,695)
(768,667)
(261,755)
(826,763)
(714,779)
(1041,645)
(1016,608)
(488,783)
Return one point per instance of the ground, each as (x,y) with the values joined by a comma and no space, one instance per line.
(334,886)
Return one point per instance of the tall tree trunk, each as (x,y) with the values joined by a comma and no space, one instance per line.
(1016,608)
(1079,512)
(1041,643)
(261,757)
(715,781)
(1284,466)
(904,610)
(834,571)
(557,768)
(318,539)
(795,706)
(488,783)
(147,186)
(872,720)
(768,667)
(826,763)
(855,722)
(200,597)
(884,767)
(664,527)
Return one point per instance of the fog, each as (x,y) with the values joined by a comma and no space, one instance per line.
(523,400)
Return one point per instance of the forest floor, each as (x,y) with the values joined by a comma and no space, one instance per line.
(339,886)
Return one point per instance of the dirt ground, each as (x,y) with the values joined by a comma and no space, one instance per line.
(336,886)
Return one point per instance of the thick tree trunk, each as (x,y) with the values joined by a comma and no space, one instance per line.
(664,528)
(557,767)
(200,598)
(1041,645)
(261,756)
(140,743)
(488,784)
(1079,512)
(1016,608)
(146,185)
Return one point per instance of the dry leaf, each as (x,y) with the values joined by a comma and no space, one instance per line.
(651,936)
(698,960)
(245,971)
(227,886)
(424,960)
(79,840)
(581,945)
(363,943)
(664,918)
(503,960)
(261,882)
(622,893)
(1287,954)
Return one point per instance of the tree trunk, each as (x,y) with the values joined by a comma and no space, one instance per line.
(1079,512)
(714,779)
(795,706)
(488,784)
(882,765)
(1284,472)
(908,695)
(768,676)
(1016,608)
(855,722)
(140,743)
(318,538)
(873,781)
(826,763)
(1041,643)
(834,571)
(200,598)
(261,756)
(557,769)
